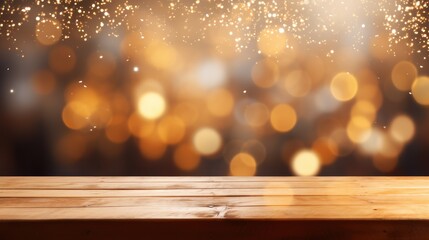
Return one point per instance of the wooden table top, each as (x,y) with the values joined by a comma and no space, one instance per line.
(283,198)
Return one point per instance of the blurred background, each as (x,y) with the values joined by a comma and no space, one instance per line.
(221,87)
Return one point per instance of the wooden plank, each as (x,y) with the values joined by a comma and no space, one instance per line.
(229,207)
(213,192)
(293,212)
(311,200)
(211,179)
(206,185)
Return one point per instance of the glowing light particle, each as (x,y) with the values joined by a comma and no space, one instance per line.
(402,129)
(242,164)
(207,141)
(344,86)
(283,118)
(305,163)
(151,105)
(420,90)
(403,75)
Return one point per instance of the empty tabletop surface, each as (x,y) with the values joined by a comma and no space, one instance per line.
(275,198)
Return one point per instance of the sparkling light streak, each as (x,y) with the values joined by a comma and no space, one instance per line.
(243,22)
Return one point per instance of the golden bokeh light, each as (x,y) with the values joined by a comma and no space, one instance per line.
(402,128)
(151,105)
(220,102)
(374,141)
(391,148)
(161,55)
(243,83)
(255,148)
(403,75)
(271,42)
(256,114)
(140,127)
(344,86)
(265,73)
(357,129)
(326,149)
(242,164)
(305,163)
(364,109)
(383,164)
(48,32)
(372,93)
(380,46)
(342,142)
(85,108)
(420,90)
(185,157)
(289,148)
(297,83)
(207,141)
(187,111)
(171,129)
(75,115)
(283,118)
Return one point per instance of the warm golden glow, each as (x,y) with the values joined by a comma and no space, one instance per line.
(207,141)
(384,164)
(220,102)
(344,86)
(237,82)
(188,112)
(402,128)
(48,32)
(364,109)
(185,157)
(374,141)
(326,149)
(265,73)
(256,114)
(161,55)
(403,75)
(420,90)
(75,115)
(139,126)
(297,84)
(305,163)
(272,41)
(171,129)
(283,118)
(242,164)
(117,130)
(357,129)
(151,105)
(152,148)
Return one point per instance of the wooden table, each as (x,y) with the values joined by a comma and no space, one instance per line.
(214,208)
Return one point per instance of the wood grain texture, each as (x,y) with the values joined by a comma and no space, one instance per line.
(313,207)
